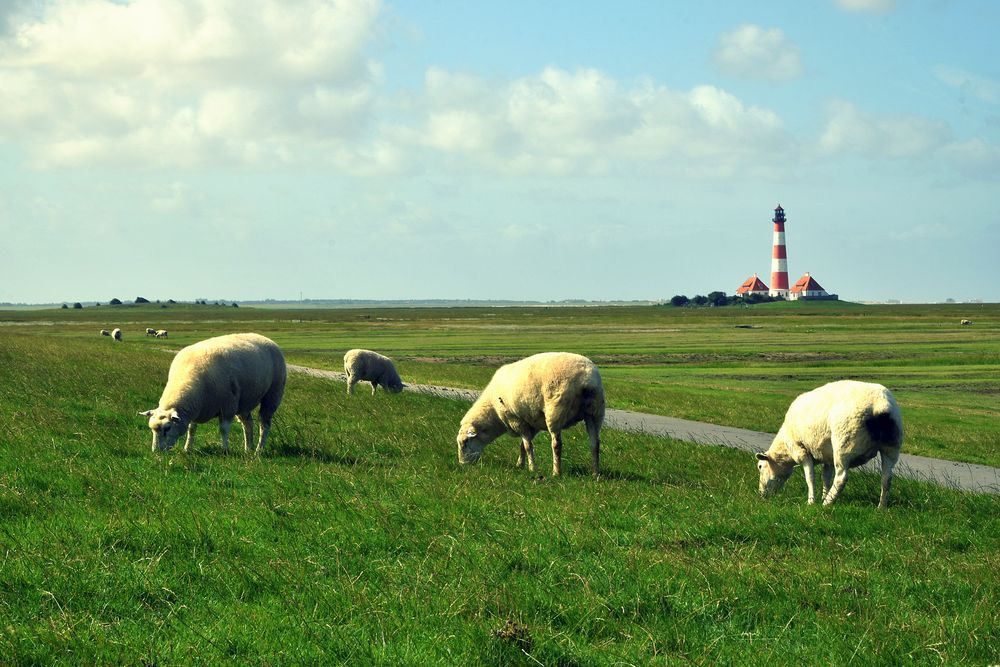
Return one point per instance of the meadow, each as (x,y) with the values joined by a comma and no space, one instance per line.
(733,366)
(358,538)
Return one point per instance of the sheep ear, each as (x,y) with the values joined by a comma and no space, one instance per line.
(471,432)
(761,456)
(174,417)
(147,413)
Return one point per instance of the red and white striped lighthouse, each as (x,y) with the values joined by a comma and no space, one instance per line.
(779,260)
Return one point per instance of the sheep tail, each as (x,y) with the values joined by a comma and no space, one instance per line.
(592,398)
(882,425)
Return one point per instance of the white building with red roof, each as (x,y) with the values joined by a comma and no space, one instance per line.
(752,285)
(807,288)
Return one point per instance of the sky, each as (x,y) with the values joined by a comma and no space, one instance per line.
(524,150)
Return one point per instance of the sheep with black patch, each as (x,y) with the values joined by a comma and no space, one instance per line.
(117,334)
(160,333)
(550,392)
(371,367)
(842,425)
(105,332)
(225,377)
(150,332)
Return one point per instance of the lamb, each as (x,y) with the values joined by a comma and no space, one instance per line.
(550,391)
(843,424)
(117,334)
(224,377)
(371,367)
(105,332)
(150,332)
(161,333)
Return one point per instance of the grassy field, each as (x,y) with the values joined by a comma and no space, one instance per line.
(734,366)
(358,539)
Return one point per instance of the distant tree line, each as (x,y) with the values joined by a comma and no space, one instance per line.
(141,300)
(716,299)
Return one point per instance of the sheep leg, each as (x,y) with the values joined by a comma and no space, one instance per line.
(827,478)
(265,428)
(527,453)
(224,426)
(374,386)
(350,384)
(556,453)
(889,458)
(189,441)
(808,467)
(246,421)
(594,433)
(839,479)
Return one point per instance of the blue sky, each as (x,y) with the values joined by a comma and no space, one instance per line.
(519,150)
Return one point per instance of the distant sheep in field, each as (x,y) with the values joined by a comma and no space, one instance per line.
(105,332)
(150,332)
(117,334)
(371,367)
(225,377)
(162,333)
(966,322)
(842,425)
(550,392)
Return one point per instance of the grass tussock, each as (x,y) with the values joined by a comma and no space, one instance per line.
(358,538)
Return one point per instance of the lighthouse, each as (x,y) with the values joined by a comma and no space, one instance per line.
(779,260)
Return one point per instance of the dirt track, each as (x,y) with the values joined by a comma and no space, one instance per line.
(964,476)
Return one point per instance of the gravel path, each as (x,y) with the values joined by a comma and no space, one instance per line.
(963,476)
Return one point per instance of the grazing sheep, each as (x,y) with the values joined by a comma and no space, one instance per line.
(117,334)
(150,332)
(842,424)
(372,367)
(161,333)
(105,332)
(224,377)
(544,392)
(966,322)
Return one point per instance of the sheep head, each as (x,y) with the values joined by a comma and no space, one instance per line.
(167,427)
(470,444)
(773,474)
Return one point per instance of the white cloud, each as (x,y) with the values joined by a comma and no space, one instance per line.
(981,87)
(975,158)
(171,199)
(754,52)
(180,82)
(585,122)
(850,130)
(871,6)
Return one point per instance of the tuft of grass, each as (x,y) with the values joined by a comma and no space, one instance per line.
(358,538)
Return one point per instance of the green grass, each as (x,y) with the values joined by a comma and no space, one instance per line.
(359,539)
(691,363)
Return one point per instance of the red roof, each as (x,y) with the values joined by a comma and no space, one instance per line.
(807,284)
(752,284)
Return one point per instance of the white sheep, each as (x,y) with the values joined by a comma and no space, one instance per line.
(105,332)
(150,332)
(116,334)
(966,322)
(550,392)
(224,377)
(843,425)
(160,333)
(371,367)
